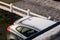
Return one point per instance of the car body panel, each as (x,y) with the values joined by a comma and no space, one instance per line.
(14,31)
(48,34)
(34,23)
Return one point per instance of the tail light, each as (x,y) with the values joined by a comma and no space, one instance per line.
(8,29)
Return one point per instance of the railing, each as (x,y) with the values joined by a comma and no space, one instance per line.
(16,10)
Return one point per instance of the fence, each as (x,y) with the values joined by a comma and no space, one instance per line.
(11,8)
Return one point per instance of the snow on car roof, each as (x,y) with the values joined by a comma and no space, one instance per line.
(38,22)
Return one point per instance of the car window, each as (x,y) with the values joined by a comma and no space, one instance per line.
(26,31)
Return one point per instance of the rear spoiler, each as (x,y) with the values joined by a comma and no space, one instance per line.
(43,31)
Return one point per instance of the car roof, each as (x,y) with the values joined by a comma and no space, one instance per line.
(38,23)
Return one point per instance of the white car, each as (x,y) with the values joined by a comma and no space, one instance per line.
(26,27)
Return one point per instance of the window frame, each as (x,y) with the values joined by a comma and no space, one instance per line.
(23,28)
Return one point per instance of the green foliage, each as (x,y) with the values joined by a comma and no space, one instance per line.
(2,26)
(3,20)
(2,17)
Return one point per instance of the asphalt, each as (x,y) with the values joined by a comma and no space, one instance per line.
(39,9)
(9,1)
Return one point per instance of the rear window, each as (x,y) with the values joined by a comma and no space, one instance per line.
(26,31)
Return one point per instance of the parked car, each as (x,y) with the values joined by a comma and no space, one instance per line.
(26,27)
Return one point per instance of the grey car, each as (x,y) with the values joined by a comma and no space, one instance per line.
(26,27)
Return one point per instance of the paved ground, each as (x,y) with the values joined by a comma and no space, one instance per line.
(39,9)
(9,1)
(49,3)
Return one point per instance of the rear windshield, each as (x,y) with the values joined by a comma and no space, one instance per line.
(25,31)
